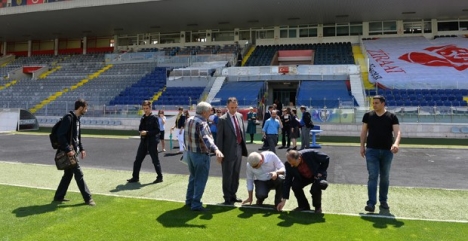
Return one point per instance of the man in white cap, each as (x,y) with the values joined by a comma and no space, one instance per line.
(266,171)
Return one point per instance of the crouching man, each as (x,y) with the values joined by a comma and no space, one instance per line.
(266,171)
(303,168)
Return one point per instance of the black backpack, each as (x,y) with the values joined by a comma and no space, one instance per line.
(53,134)
(308,120)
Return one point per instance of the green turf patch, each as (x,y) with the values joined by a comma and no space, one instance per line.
(28,214)
(406,203)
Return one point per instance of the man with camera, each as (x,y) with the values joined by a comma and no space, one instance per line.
(149,139)
(266,171)
(303,168)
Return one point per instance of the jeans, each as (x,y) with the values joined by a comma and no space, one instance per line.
(65,182)
(272,140)
(379,162)
(180,138)
(305,137)
(286,135)
(199,168)
(143,149)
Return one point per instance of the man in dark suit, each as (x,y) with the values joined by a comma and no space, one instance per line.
(231,142)
(303,168)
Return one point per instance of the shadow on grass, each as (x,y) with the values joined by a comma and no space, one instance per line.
(129,186)
(41,209)
(180,217)
(288,218)
(383,219)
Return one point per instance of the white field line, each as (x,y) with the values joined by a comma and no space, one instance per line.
(217,204)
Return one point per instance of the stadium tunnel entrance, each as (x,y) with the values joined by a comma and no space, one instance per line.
(283,93)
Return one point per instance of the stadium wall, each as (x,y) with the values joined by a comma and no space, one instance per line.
(408,130)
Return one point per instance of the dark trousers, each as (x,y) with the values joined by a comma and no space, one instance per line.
(298,189)
(286,134)
(272,140)
(145,147)
(65,182)
(265,143)
(262,188)
(230,168)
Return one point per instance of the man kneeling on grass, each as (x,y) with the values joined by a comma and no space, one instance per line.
(303,168)
(265,170)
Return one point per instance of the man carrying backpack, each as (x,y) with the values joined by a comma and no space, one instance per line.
(69,139)
(149,139)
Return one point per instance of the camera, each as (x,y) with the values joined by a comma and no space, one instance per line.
(322,183)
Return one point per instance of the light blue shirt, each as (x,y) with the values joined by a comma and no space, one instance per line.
(271,126)
(161,125)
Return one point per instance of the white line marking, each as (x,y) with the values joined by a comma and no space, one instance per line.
(218,204)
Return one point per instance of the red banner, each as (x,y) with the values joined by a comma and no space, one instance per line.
(3,3)
(30,69)
(31,2)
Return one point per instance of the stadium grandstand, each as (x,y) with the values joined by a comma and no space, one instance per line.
(331,56)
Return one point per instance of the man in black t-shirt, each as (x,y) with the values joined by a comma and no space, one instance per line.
(381,132)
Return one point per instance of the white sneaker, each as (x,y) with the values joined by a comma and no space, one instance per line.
(164,150)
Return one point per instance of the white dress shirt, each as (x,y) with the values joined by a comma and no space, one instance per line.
(271,163)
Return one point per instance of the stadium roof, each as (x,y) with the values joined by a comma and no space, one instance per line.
(80,18)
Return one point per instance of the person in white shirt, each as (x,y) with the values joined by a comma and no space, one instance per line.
(266,171)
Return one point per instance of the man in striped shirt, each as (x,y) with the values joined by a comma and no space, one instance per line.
(199,144)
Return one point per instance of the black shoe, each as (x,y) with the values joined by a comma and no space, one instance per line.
(384,205)
(262,149)
(369,208)
(200,209)
(299,209)
(61,200)
(236,200)
(132,180)
(282,147)
(259,202)
(158,180)
(228,203)
(90,202)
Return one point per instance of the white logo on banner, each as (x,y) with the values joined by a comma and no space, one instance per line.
(418,63)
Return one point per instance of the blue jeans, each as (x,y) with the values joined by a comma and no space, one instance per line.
(199,168)
(379,162)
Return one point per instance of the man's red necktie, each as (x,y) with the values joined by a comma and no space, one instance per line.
(238,134)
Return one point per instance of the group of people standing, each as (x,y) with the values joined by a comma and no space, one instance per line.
(265,171)
(292,127)
(380,139)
